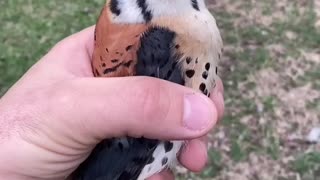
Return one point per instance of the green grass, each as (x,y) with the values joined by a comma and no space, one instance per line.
(31,27)
(308,163)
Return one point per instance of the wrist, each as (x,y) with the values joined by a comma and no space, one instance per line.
(9,143)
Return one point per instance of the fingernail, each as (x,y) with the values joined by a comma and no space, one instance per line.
(197,112)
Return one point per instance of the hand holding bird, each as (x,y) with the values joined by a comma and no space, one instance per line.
(53,117)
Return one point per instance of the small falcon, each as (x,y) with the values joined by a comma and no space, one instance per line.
(174,40)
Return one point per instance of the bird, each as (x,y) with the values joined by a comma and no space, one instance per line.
(173,40)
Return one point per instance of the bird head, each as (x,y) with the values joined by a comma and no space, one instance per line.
(139,11)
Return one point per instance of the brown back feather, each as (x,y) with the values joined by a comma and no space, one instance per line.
(115,47)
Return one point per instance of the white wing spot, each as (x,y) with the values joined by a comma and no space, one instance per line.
(162,160)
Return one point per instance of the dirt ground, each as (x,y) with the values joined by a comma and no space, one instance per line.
(271,72)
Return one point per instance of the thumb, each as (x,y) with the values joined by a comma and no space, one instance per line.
(137,106)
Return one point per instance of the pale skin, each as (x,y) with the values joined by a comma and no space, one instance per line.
(57,112)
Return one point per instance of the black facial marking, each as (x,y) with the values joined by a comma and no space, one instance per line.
(205,74)
(114,7)
(158,57)
(195,5)
(164,161)
(197,60)
(202,87)
(177,46)
(216,70)
(107,50)
(103,64)
(190,73)
(168,146)
(146,13)
(208,66)
(188,60)
(129,47)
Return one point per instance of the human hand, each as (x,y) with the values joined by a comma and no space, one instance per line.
(53,117)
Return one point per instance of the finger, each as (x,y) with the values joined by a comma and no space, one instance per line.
(143,106)
(165,175)
(194,155)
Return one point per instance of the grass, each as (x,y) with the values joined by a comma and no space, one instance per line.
(308,163)
(31,27)
(268,59)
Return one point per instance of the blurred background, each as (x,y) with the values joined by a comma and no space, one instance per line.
(271,72)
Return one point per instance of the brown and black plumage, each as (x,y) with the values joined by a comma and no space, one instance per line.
(174,40)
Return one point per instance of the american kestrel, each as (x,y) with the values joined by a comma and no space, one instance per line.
(175,40)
